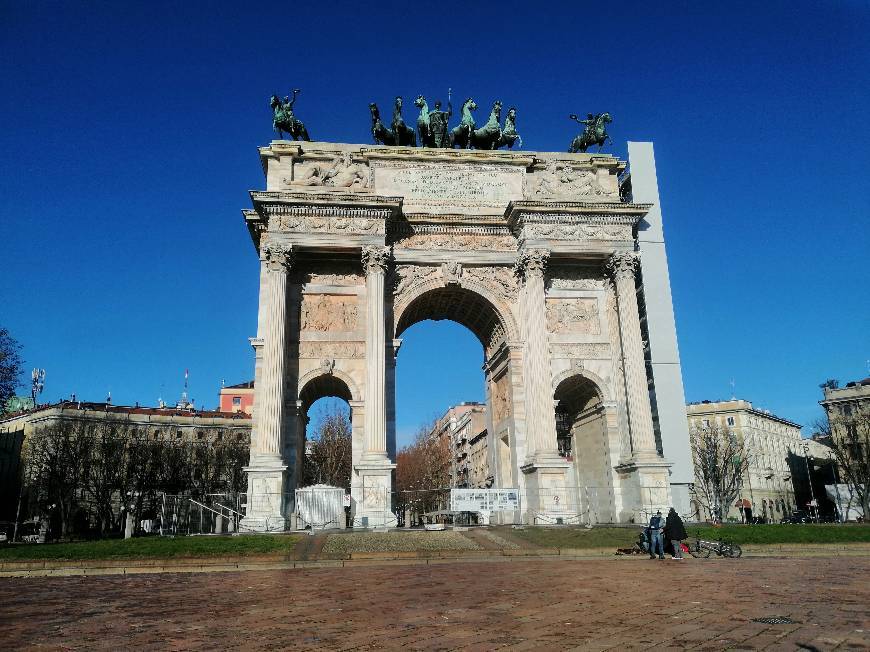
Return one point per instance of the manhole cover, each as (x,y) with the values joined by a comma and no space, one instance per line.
(775,620)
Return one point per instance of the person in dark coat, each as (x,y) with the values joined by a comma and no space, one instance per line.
(675,532)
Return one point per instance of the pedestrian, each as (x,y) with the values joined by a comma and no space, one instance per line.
(675,532)
(656,523)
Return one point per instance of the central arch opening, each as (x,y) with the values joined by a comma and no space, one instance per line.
(442,418)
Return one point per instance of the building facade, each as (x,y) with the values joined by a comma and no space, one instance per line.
(535,253)
(237,398)
(460,426)
(773,445)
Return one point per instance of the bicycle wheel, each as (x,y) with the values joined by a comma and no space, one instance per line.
(735,551)
(699,552)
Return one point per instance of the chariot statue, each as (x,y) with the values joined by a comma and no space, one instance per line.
(594,132)
(381,135)
(284,120)
(432,129)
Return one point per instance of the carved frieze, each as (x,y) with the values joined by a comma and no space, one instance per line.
(561,180)
(558,230)
(573,316)
(328,313)
(328,350)
(339,274)
(458,240)
(591,351)
(317,220)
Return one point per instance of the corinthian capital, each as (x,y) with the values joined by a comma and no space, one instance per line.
(621,264)
(375,259)
(531,262)
(277,255)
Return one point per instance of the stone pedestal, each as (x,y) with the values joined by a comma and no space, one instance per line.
(372,497)
(267,508)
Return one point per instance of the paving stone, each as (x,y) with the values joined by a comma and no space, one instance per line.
(527,604)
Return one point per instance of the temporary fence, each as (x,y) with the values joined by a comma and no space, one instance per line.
(322,507)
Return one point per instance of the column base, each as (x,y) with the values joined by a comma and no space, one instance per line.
(372,496)
(647,481)
(548,499)
(268,504)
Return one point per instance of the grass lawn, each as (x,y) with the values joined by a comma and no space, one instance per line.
(153,548)
(604,537)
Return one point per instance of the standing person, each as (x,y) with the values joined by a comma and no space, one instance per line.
(675,532)
(656,523)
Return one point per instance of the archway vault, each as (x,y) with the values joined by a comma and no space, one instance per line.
(470,304)
(317,385)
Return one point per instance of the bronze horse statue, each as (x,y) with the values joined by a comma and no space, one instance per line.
(284,120)
(380,133)
(594,132)
(404,134)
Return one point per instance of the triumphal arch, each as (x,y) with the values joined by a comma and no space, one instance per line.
(536,253)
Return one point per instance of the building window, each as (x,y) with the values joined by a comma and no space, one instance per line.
(730,421)
(178,434)
(237,401)
(705,423)
(220,435)
(240,436)
(200,435)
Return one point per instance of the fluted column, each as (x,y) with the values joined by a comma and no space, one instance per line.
(375,261)
(270,408)
(540,417)
(621,267)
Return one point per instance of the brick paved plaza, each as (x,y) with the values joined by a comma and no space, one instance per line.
(517,605)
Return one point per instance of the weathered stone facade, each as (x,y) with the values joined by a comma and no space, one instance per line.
(533,252)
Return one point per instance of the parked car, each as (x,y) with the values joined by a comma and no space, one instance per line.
(797,516)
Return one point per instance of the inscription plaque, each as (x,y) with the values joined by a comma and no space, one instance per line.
(474,185)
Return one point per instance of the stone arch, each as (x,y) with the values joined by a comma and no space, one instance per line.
(430,300)
(317,384)
(601,386)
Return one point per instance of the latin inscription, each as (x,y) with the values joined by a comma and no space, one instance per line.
(470,183)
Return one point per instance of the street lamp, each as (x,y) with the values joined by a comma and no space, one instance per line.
(810,479)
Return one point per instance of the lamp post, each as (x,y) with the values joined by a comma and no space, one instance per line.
(810,478)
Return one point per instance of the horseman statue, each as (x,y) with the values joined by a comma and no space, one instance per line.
(284,120)
(594,132)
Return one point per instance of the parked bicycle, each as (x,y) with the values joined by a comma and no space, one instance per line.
(701,548)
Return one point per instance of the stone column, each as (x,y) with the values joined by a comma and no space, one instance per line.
(540,418)
(270,410)
(267,471)
(546,491)
(373,504)
(621,267)
(375,262)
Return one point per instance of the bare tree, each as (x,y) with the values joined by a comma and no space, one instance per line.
(55,456)
(721,462)
(103,475)
(423,471)
(331,451)
(10,367)
(849,439)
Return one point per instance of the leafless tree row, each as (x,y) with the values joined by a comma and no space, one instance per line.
(91,474)
(423,468)
(849,439)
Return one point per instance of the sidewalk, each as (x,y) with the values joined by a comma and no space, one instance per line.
(319,551)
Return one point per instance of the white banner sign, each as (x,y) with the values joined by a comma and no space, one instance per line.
(484,500)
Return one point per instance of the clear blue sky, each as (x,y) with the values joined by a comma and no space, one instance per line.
(128,137)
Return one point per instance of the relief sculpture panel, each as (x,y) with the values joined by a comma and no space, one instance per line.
(501,403)
(573,316)
(328,313)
